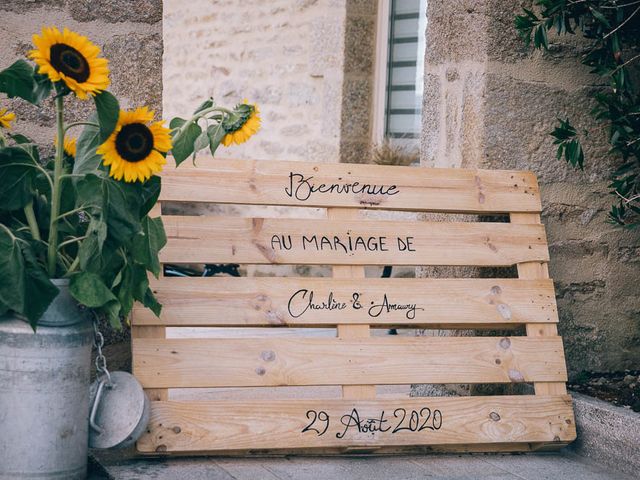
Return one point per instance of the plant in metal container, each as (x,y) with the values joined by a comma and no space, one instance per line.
(75,230)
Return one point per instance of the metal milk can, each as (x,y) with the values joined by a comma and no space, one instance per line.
(44,393)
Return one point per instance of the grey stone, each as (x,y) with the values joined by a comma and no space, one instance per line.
(355,151)
(114,11)
(607,434)
(359,45)
(136,69)
(28,5)
(355,108)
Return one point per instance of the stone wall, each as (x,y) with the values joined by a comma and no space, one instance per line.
(285,55)
(130,34)
(490,103)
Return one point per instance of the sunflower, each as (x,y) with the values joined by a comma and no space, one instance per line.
(72,58)
(241,126)
(6,118)
(69,145)
(134,151)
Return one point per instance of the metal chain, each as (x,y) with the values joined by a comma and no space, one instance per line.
(101,361)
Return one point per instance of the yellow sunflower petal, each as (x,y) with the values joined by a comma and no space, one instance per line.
(6,118)
(71,58)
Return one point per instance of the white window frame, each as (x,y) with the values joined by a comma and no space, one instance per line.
(380,71)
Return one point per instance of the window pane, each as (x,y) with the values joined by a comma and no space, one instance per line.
(404,51)
(404,124)
(406,6)
(405,69)
(403,76)
(403,99)
(405,28)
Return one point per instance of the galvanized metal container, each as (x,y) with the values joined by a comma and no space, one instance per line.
(44,393)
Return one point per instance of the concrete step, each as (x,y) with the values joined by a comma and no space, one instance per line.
(565,466)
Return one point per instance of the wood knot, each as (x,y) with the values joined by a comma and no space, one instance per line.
(268,355)
(505,343)
(494,416)
(556,439)
(515,376)
(176,429)
(496,290)
(261,371)
(504,311)
(161,448)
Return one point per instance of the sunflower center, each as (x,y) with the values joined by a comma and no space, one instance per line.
(70,61)
(134,142)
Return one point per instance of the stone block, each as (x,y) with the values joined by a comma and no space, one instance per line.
(355,151)
(456,31)
(114,11)
(607,434)
(136,69)
(359,45)
(326,46)
(519,116)
(29,5)
(356,102)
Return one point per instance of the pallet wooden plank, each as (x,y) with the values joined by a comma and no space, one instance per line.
(340,242)
(355,186)
(538,270)
(313,302)
(227,362)
(297,424)
(346,330)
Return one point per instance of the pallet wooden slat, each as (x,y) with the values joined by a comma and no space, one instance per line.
(538,270)
(313,302)
(356,186)
(225,362)
(341,242)
(225,425)
(345,330)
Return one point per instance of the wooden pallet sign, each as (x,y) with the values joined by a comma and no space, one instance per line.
(359,420)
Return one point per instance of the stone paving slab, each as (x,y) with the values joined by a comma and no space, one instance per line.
(564,466)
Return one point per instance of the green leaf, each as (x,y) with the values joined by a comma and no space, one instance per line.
(208,103)
(108,111)
(125,290)
(112,311)
(151,302)
(41,292)
(176,122)
(18,173)
(89,290)
(150,193)
(87,160)
(90,249)
(600,17)
(148,243)
(12,272)
(183,141)
(201,142)
(17,81)
(216,134)
(42,87)
(25,287)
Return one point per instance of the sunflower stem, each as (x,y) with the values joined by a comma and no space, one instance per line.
(56,193)
(77,124)
(31,220)
(3,139)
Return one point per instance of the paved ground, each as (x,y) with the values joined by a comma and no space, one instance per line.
(443,467)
